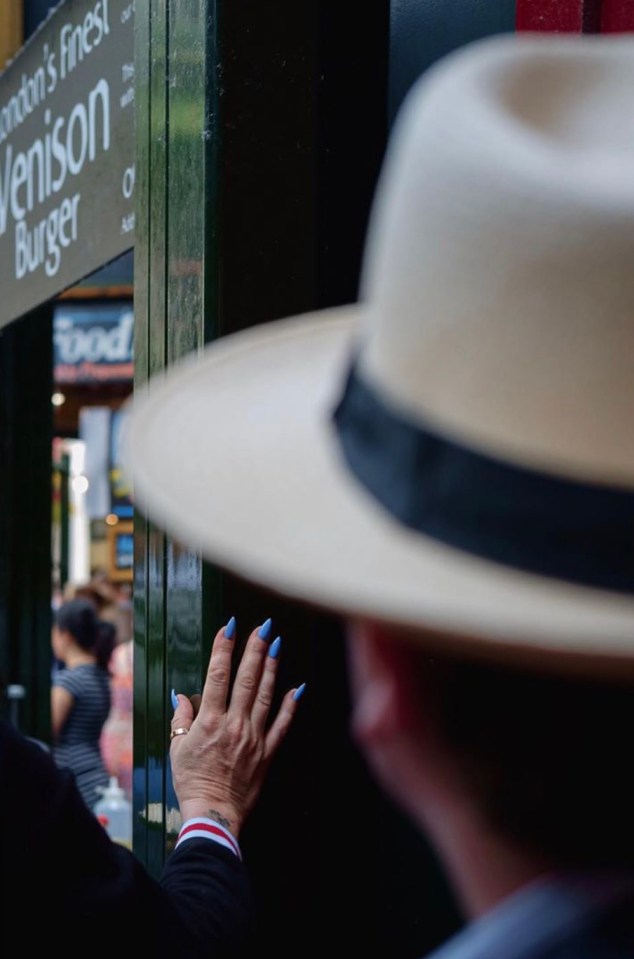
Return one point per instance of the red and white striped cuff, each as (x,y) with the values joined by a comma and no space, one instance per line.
(200,828)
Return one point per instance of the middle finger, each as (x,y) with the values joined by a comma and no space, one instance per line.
(247,679)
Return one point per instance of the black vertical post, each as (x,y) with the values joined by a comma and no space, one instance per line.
(64,520)
(25,513)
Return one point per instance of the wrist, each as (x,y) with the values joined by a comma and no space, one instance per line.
(219,812)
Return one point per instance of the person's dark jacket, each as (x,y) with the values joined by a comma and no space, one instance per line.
(66,883)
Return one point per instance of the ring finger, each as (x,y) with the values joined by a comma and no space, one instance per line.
(266,687)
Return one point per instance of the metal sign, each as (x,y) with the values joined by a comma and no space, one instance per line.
(66,152)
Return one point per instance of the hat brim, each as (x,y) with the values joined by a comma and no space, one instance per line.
(232,452)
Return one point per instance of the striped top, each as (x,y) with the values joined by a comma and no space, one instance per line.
(77,747)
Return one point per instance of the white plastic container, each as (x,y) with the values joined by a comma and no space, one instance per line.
(114,812)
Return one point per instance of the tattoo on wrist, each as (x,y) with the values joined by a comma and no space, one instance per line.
(214,814)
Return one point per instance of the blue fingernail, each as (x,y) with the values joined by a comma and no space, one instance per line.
(230,628)
(274,648)
(264,629)
(174,700)
(299,692)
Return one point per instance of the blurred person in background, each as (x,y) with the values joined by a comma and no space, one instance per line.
(116,736)
(80,693)
(113,604)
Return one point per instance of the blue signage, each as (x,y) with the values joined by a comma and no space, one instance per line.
(93,343)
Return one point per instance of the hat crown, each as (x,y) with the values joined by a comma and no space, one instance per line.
(457,479)
(499,268)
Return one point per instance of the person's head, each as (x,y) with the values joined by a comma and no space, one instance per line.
(451,460)
(543,761)
(77,627)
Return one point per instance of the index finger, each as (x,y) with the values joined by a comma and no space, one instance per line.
(216,688)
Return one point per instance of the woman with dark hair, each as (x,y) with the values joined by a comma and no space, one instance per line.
(80,694)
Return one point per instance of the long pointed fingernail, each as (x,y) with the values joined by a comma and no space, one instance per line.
(274,648)
(299,692)
(264,629)
(174,698)
(230,628)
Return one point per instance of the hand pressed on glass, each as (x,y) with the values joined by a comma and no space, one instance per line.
(221,743)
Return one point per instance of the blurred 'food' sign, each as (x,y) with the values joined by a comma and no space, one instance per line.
(93,344)
(66,152)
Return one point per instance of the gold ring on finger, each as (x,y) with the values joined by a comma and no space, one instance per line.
(179,731)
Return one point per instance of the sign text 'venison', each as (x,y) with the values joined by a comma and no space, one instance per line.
(66,151)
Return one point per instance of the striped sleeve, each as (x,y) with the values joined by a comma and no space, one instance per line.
(70,680)
(201,828)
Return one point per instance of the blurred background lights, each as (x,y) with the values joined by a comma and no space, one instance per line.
(79,484)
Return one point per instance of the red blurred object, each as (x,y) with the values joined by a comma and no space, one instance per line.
(575,16)
(617,16)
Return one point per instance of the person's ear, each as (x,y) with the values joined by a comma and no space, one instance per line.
(380,675)
(394,720)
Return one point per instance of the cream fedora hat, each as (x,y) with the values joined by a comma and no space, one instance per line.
(453,454)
